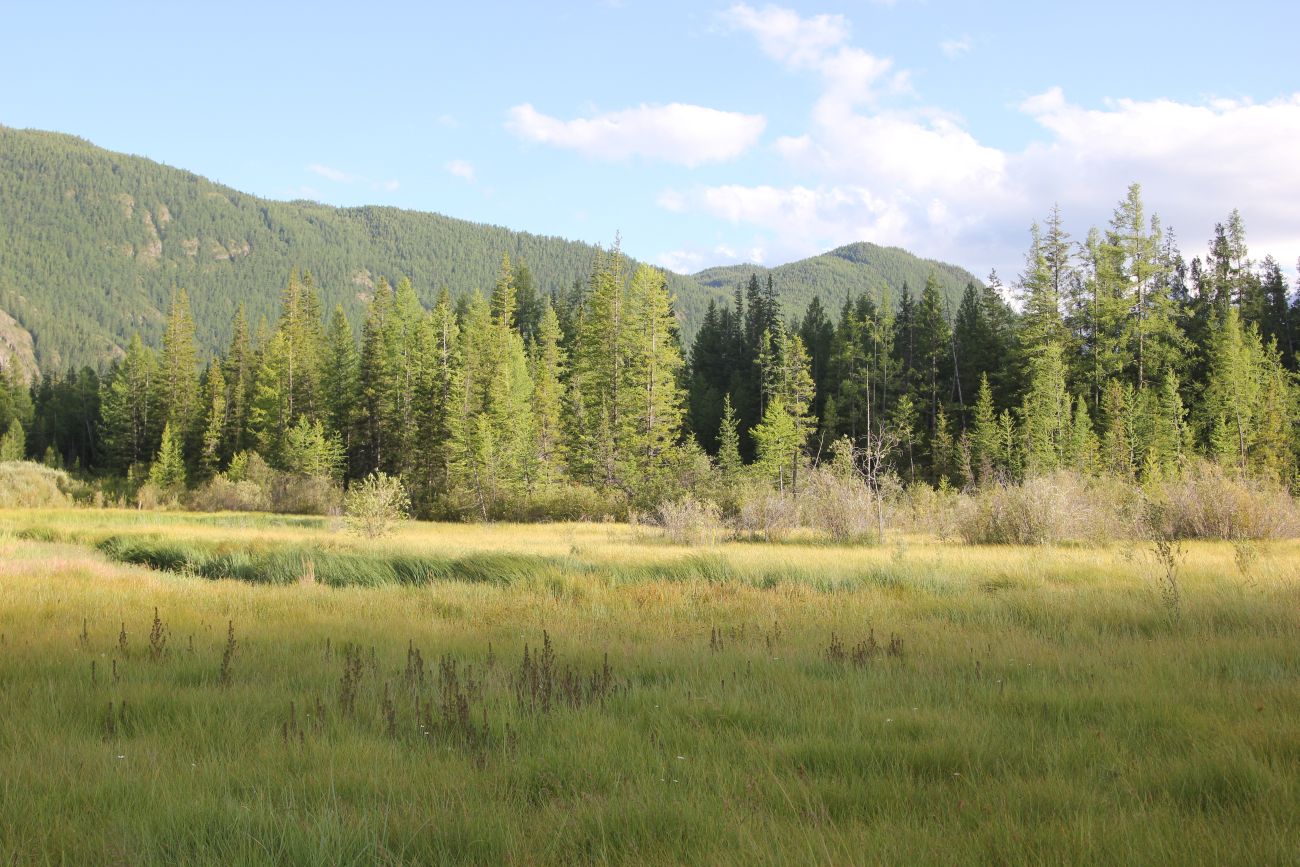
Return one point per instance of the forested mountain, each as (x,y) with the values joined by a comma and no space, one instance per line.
(845,273)
(95,242)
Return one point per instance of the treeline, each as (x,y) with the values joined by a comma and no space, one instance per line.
(1124,360)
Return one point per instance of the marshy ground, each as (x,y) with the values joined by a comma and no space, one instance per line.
(588,692)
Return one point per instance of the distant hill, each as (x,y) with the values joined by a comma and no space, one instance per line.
(94,242)
(844,273)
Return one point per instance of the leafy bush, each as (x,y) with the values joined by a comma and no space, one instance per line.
(27,485)
(376,504)
(689,521)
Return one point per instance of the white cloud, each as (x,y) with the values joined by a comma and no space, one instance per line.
(786,36)
(954,48)
(463,169)
(851,75)
(448,121)
(917,177)
(336,175)
(681,261)
(688,135)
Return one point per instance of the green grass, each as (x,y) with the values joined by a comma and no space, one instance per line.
(1047,706)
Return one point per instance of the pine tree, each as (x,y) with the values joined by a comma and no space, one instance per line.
(239,372)
(179,382)
(1081,449)
(1119,442)
(1233,391)
(1045,411)
(985,435)
(211,456)
(653,416)
(776,440)
(598,375)
(375,385)
(548,373)
(729,462)
(440,373)
(168,471)
(338,380)
(1168,436)
(130,411)
(13,445)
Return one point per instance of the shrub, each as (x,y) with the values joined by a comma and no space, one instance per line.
(305,495)
(840,505)
(376,504)
(224,495)
(1207,503)
(919,508)
(27,485)
(1054,508)
(763,512)
(689,521)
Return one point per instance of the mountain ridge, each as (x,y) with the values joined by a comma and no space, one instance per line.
(96,241)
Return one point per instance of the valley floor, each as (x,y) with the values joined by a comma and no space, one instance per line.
(588,692)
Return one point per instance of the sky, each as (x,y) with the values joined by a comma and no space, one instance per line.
(702,133)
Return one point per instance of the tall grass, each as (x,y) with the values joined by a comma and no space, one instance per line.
(734,705)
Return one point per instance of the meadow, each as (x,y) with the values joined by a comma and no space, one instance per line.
(221,689)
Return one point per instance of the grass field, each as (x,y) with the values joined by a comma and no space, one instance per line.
(916,702)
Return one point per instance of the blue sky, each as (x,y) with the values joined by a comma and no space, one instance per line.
(703,132)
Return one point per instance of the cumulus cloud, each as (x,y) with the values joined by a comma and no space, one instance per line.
(337,175)
(915,176)
(688,135)
(463,169)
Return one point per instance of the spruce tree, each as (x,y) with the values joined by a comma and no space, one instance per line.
(131,416)
(548,374)
(13,445)
(167,473)
(179,382)
(211,446)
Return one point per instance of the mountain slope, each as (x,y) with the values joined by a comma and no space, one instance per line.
(847,272)
(94,242)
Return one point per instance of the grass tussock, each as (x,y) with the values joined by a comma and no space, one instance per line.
(290,564)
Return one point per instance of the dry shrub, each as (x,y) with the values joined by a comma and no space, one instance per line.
(839,505)
(223,495)
(689,521)
(306,495)
(765,513)
(1207,503)
(1055,508)
(919,508)
(27,485)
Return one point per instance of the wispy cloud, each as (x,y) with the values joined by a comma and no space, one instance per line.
(687,135)
(329,173)
(954,48)
(463,169)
